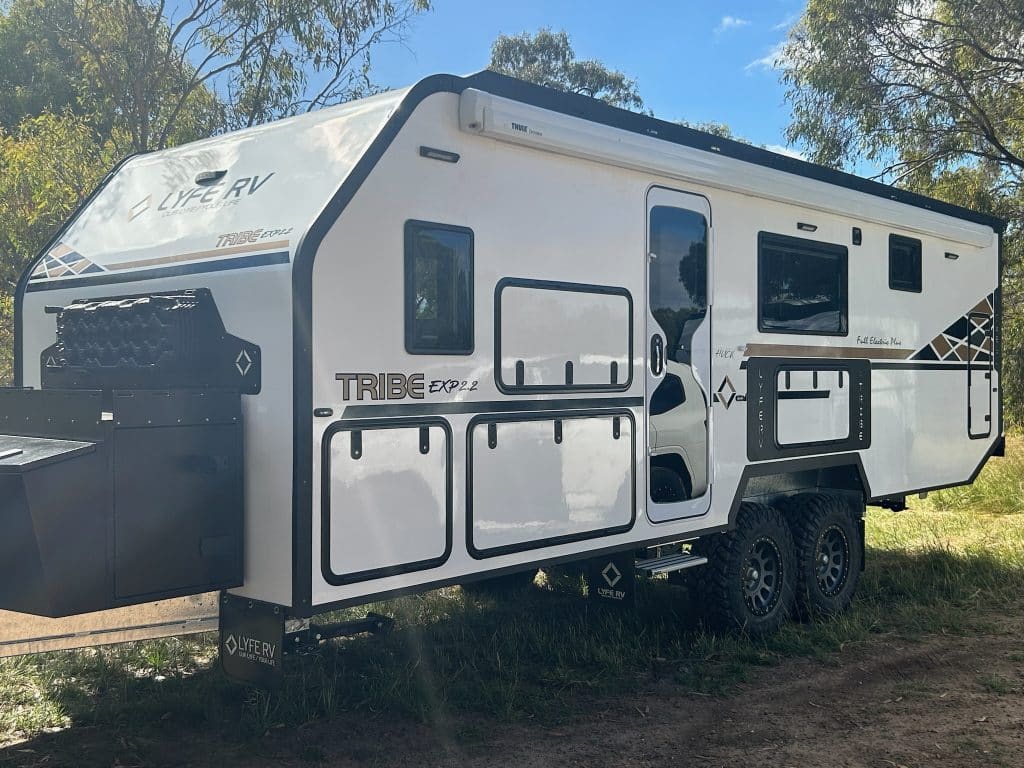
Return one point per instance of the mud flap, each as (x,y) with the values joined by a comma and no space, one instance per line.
(611,581)
(251,641)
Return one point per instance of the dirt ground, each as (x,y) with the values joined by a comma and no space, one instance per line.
(944,701)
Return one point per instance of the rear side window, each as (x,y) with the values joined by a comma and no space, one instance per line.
(438,289)
(801,286)
(904,264)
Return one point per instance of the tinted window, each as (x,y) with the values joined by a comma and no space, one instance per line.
(678,281)
(802,286)
(904,264)
(438,289)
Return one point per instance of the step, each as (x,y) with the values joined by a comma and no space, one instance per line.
(669,563)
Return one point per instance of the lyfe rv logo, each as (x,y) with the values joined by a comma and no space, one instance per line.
(251,649)
(203,197)
(612,576)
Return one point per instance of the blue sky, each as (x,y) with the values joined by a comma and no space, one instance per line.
(692,59)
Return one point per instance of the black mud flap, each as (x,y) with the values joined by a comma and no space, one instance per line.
(251,641)
(611,581)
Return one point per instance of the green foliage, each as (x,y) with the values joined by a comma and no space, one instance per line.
(46,167)
(35,76)
(547,58)
(160,74)
(999,489)
(713,127)
(930,90)
(6,340)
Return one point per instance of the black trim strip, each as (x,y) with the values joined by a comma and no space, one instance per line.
(491,406)
(195,268)
(915,366)
(809,394)
(357,427)
(885,365)
(480,554)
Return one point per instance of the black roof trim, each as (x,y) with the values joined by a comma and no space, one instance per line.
(599,112)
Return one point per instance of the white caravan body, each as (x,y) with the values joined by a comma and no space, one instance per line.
(501,326)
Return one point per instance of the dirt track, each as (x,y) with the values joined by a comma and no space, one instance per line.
(946,701)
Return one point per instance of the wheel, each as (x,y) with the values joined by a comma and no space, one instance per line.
(748,582)
(499,586)
(829,553)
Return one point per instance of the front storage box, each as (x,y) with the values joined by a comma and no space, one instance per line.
(142,506)
(121,480)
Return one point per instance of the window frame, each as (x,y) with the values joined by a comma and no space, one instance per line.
(412,226)
(769,239)
(915,243)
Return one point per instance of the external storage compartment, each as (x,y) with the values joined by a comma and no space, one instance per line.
(979,374)
(149,507)
(387,498)
(807,407)
(562,337)
(122,478)
(542,480)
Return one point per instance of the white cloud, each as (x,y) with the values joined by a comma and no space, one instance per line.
(787,22)
(774,59)
(731,22)
(788,152)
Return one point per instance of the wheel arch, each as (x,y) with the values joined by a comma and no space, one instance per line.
(767,482)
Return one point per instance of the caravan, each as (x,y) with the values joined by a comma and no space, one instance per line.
(475,327)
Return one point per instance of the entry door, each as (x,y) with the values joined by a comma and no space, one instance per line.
(678,355)
(980,357)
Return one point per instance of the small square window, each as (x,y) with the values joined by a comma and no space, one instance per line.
(904,264)
(438,289)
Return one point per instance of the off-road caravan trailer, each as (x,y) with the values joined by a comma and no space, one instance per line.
(473,327)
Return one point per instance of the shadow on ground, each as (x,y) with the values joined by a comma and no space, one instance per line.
(462,666)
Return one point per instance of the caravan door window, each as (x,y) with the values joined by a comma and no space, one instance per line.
(438,289)
(801,286)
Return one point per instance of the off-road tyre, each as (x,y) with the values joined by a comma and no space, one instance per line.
(829,553)
(738,588)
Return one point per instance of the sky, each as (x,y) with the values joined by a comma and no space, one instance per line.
(695,60)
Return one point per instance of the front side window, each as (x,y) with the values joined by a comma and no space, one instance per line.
(801,286)
(904,264)
(438,289)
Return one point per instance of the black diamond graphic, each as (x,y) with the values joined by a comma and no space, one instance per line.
(726,393)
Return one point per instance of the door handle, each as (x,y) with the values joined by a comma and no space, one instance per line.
(657,355)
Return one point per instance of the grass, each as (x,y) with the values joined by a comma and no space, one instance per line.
(999,489)
(945,566)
